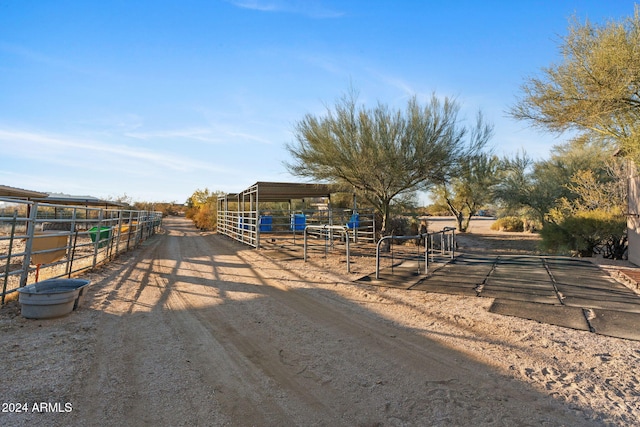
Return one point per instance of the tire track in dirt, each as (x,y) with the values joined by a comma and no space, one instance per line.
(450,384)
(214,343)
(202,331)
(312,393)
(439,371)
(139,374)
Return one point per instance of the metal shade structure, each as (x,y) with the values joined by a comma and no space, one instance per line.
(66,199)
(56,199)
(241,217)
(19,193)
(285,191)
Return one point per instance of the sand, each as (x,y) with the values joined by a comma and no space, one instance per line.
(195,329)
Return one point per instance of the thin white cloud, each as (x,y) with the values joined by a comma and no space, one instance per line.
(310,8)
(223,134)
(228,130)
(38,57)
(92,149)
(330,65)
(263,6)
(249,137)
(197,134)
(393,81)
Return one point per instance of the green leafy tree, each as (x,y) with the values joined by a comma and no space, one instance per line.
(383,153)
(608,195)
(539,185)
(524,185)
(595,90)
(470,189)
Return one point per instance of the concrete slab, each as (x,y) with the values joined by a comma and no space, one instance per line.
(604,284)
(618,324)
(523,288)
(536,269)
(522,279)
(468,260)
(519,282)
(574,271)
(446,287)
(520,260)
(402,276)
(516,294)
(607,294)
(455,277)
(567,317)
(466,265)
(601,304)
(528,274)
(459,277)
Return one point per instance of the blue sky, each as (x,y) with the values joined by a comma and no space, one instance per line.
(155,99)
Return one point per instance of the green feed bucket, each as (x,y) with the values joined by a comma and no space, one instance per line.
(105,234)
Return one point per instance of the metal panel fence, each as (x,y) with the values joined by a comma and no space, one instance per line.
(437,243)
(43,241)
(286,226)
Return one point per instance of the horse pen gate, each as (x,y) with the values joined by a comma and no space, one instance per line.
(265,215)
(41,240)
(437,244)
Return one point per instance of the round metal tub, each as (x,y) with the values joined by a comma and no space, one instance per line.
(51,298)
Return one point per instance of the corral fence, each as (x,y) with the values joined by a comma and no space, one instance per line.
(328,231)
(43,241)
(437,245)
(287,227)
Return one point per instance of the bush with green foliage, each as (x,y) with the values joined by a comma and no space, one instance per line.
(400,226)
(586,233)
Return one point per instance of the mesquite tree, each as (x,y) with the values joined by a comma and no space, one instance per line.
(471,188)
(381,152)
(594,90)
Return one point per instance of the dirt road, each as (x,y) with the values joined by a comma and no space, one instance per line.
(195,329)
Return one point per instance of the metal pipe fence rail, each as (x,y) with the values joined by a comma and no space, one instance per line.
(325,231)
(447,242)
(44,241)
(254,227)
(437,242)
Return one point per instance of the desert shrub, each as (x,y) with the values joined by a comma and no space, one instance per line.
(400,226)
(202,208)
(586,233)
(205,216)
(508,223)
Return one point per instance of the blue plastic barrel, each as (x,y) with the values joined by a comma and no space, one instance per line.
(298,222)
(354,222)
(266,222)
(243,223)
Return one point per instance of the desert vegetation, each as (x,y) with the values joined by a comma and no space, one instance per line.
(576,198)
(201,208)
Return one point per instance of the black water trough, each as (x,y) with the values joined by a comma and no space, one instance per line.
(51,298)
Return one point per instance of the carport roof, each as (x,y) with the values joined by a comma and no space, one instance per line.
(66,199)
(6,191)
(55,198)
(284,191)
